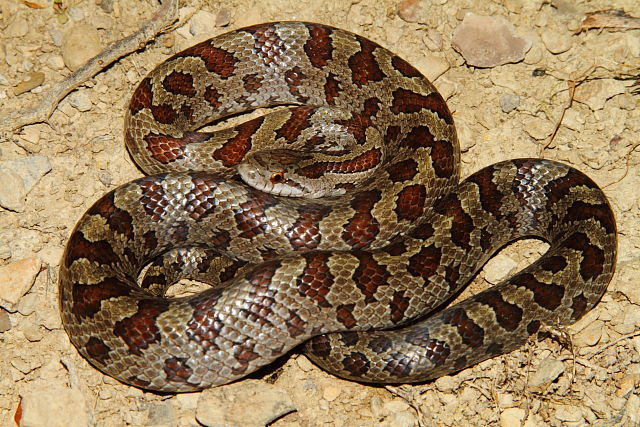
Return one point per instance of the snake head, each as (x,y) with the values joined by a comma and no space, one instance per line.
(283,173)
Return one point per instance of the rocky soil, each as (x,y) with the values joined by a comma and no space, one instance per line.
(50,173)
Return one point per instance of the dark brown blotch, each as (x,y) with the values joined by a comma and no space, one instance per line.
(212,96)
(164,113)
(425,263)
(364,65)
(369,276)
(470,332)
(379,344)
(294,78)
(205,325)
(201,200)
(508,315)
(140,330)
(215,59)
(332,88)
(546,295)
(403,170)
(177,370)
(410,202)
(441,151)
(579,305)
(304,234)
(360,163)
(490,194)
(404,67)
(356,364)
(320,346)
(100,252)
(398,306)
(97,350)
(299,120)
(406,101)
(252,82)
(553,264)
(268,45)
(296,325)
(461,225)
(166,149)
(592,257)
(362,227)
(251,217)
(344,315)
(319,46)
(179,83)
(244,354)
(142,97)
(359,122)
(234,150)
(316,279)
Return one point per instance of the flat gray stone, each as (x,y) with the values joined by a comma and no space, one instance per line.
(227,405)
(489,41)
(18,177)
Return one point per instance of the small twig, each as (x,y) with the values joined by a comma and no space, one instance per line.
(573,84)
(626,170)
(614,342)
(163,18)
(409,397)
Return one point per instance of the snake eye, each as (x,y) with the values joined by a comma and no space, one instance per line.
(277,177)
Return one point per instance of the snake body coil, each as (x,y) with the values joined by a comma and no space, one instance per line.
(389,235)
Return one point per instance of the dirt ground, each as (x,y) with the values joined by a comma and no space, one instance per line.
(596,381)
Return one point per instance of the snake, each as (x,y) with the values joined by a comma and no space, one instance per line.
(323,209)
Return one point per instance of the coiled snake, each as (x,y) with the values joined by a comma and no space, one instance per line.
(385,236)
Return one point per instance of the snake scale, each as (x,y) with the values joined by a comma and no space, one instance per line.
(355,221)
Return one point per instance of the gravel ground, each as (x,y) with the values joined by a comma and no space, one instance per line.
(50,173)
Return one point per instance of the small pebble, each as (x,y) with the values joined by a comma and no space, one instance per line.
(538,128)
(31,81)
(56,62)
(227,405)
(432,66)
(5,252)
(632,410)
(106,6)
(18,28)
(32,333)
(161,414)
(223,18)
(331,393)
(404,418)
(16,279)
(512,417)
(5,321)
(548,371)
(18,177)
(509,102)
(56,36)
(590,335)
(595,93)
(80,100)
(556,42)
(201,22)
(411,10)
(304,363)
(80,43)
(498,268)
(569,413)
(489,41)
(54,406)
(75,13)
